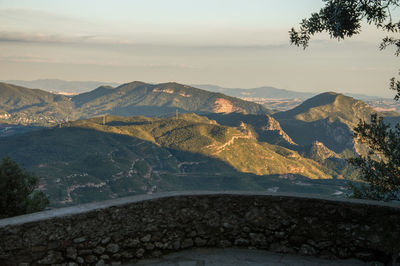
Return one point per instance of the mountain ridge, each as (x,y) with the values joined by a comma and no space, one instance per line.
(105,156)
(61,86)
(134,98)
(329,118)
(330,105)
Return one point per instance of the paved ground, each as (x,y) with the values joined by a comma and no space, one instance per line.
(234,256)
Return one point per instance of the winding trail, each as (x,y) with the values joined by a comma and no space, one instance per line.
(229,142)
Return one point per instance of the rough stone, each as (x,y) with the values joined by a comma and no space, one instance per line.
(104,257)
(130,243)
(38,248)
(79,240)
(99,250)
(106,240)
(225,243)
(84,252)
(127,255)
(80,260)
(52,258)
(71,253)
(307,250)
(112,248)
(200,242)
(90,259)
(241,242)
(257,239)
(149,246)
(366,256)
(100,263)
(176,244)
(126,228)
(140,252)
(146,238)
(187,243)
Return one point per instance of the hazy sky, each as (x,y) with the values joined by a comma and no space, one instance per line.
(231,43)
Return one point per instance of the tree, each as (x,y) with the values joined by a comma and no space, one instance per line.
(343,18)
(17,191)
(380,168)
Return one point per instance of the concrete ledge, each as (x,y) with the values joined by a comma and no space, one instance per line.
(147,226)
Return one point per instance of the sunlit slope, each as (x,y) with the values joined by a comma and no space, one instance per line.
(21,105)
(328,118)
(332,106)
(264,127)
(32,106)
(139,98)
(86,160)
(196,134)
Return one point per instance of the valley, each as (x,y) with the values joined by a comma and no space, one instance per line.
(143,138)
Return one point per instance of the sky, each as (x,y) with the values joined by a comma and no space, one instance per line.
(230,43)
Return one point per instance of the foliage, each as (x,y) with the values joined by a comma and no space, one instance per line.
(17,191)
(32,106)
(342,18)
(87,160)
(381,167)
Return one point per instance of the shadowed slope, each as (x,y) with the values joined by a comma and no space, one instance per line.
(27,106)
(328,118)
(86,161)
(138,98)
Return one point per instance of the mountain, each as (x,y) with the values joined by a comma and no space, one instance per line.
(283,100)
(336,163)
(19,105)
(139,98)
(276,93)
(87,160)
(264,127)
(199,135)
(32,106)
(61,86)
(332,106)
(319,152)
(261,92)
(328,118)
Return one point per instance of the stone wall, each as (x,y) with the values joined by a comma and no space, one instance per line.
(146,226)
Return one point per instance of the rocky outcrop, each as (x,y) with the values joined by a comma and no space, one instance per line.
(319,152)
(274,129)
(222,105)
(128,229)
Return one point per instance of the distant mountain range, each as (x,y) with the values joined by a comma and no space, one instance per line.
(273,93)
(77,87)
(32,106)
(139,98)
(261,92)
(142,138)
(61,86)
(19,105)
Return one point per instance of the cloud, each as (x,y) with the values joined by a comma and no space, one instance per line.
(43,38)
(24,59)
(27,19)
(21,37)
(97,62)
